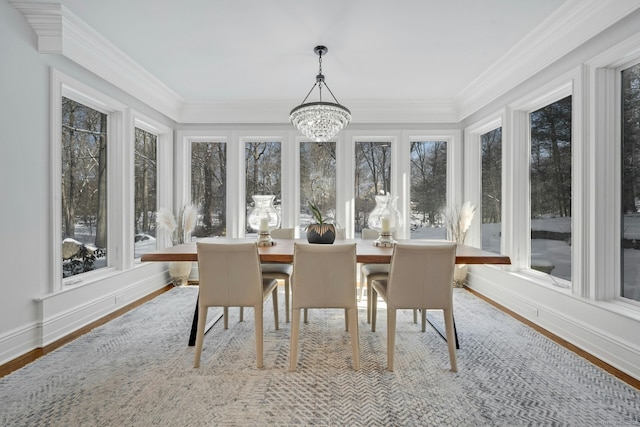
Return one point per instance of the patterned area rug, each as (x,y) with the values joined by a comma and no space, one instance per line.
(137,371)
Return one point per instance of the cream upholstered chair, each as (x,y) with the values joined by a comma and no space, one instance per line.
(421,277)
(280,271)
(230,277)
(324,277)
(369,272)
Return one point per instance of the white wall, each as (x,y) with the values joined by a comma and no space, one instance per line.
(29,315)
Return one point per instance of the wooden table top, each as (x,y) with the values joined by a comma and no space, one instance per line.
(282,251)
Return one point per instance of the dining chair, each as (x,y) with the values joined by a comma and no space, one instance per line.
(420,277)
(281,271)
(324,276)
(230,277)
(369,272)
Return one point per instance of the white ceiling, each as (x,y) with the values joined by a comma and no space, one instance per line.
(244,50)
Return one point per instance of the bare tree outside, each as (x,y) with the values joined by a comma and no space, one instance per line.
(145,191)
(209,188)
(491,208)
(428,189)
(84,188)
(317,180)
(550,182)
(630,191)
(372,177)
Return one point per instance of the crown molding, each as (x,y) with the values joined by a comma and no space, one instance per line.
(575,22)
(59,31)
(262,111)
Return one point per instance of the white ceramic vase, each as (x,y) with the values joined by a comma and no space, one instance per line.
(179,272)
(460,275)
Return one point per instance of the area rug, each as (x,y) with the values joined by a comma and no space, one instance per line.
(138,371)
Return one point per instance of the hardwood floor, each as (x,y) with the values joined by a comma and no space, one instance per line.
(21,361)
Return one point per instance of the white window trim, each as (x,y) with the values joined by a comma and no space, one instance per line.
(63,85)
(182,180)
(604,116)
(164,184)
(455,175)
(473,175)
(517,154)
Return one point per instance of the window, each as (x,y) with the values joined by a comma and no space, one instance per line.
(630,191)
(262,168)
(317,180)
(550,188)
(491,152)
(428,189)
(84,188)
(145,191)
(209,187)
(372,177)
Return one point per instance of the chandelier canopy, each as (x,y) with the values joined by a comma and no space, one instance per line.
(320,121)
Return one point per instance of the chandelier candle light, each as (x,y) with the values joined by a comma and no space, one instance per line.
(320,121)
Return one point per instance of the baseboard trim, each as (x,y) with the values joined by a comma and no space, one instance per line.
(32,355)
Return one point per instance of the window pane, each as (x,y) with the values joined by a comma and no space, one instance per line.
(551,189)
(428,189)
(631,183)
(84,188)
(145,200)
(262,160)
(491,145)
(317,180)
(372,177)
(209,188)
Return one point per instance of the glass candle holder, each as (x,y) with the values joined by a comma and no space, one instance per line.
(385,218)
(263,218)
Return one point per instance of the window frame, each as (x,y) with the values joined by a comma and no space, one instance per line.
(473,177)
(164,150)
(518,218)
(68,87)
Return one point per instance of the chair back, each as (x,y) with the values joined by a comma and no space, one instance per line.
(283,233)
(229,274)
(421,275)
(324,276)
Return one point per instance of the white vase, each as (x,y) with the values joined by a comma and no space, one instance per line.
(179,272)
(460,275)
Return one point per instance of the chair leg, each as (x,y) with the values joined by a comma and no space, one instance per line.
(258,309)
(391,337)
(274,297)
(415,315)
(225,314)
(287,299)
(306,312)
(355,341)
(424,319)
(293,347)
(451,339)
(241,314)
(374,308)
(346,320)
(202,321)
(369,299)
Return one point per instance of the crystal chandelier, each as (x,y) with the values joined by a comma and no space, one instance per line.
(320,121)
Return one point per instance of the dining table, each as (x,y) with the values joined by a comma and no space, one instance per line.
(282,252)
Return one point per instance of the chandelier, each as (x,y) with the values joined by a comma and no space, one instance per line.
(320,121)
